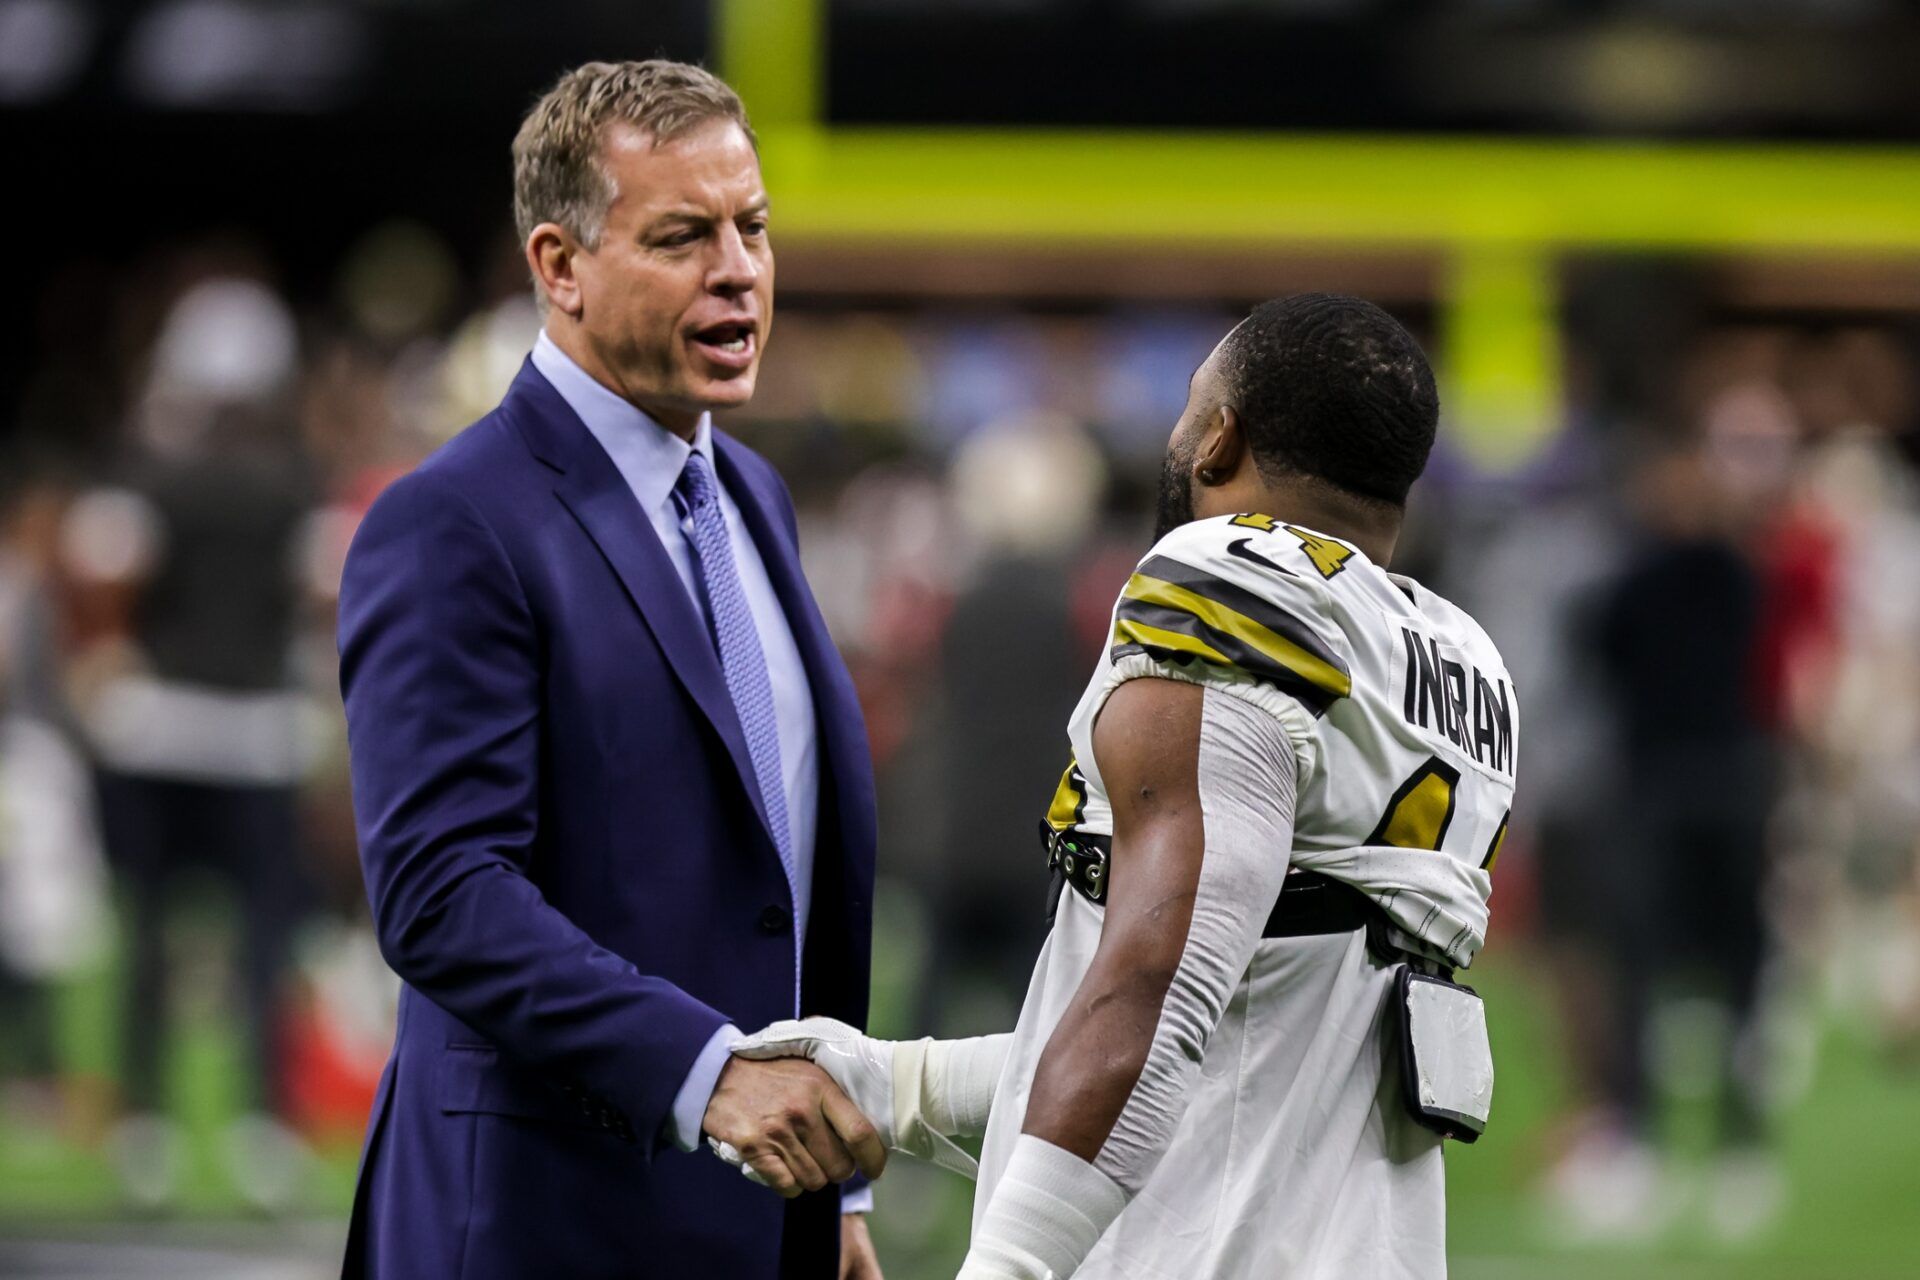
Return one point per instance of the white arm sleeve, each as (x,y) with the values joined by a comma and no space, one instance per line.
(1041,1223)
(1246,773)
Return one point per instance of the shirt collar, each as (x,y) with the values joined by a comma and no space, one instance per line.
(649,457)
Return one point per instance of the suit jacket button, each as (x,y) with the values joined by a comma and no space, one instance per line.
(775,919)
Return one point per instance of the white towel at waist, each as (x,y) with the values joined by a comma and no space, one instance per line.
(1434,900)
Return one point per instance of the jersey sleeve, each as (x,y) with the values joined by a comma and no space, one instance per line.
(1207,605)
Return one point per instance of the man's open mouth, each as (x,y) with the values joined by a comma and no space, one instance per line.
(730,343)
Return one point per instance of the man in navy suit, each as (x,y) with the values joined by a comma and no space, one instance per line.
(612,784)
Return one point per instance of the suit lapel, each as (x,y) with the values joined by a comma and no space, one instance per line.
(592,488)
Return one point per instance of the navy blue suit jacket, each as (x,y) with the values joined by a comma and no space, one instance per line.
(570,866)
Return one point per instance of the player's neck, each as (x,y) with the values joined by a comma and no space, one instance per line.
(1372,526)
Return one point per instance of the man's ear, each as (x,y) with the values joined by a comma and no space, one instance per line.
(1223,444)
(550,256)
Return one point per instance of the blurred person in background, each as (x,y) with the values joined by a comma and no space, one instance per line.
(1862,795)
(611,780)
(53,917)
(1677,639)
(1534,587)
(1027,491)
(1633,323)
(189,696)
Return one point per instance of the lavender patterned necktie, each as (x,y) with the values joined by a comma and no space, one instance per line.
(741,657)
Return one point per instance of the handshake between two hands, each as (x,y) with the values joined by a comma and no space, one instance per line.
(805,1103)
(798,1125)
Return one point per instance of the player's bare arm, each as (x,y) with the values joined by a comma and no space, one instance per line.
(1202,786)
(1147,741)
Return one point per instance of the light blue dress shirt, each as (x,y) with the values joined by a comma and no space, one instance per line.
(650,459)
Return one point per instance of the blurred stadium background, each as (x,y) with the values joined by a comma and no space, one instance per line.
(1666,254)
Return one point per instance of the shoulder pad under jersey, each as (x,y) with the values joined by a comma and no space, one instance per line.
(1207,594)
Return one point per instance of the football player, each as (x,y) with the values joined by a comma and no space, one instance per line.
(1291,774)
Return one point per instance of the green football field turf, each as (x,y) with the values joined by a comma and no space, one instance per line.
(1850,1146)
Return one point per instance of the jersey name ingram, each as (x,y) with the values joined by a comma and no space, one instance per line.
(1445,694)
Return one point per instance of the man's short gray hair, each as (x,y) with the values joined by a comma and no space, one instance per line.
(557,171)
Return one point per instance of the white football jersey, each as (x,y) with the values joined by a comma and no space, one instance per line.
(1296,1156)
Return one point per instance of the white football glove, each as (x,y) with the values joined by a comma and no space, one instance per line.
(918,1094)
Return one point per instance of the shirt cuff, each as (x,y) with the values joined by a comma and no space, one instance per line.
(690,1104)
(857,1199)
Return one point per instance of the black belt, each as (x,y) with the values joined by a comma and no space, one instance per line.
(1310,904)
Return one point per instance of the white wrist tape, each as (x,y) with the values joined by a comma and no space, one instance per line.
(1048,1210)
(953,1086)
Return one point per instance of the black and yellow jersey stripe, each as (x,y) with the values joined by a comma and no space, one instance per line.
(1175,612)
(1068,809)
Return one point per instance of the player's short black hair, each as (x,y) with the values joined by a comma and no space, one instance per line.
(1333,387)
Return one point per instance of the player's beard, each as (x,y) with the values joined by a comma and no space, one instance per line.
(1175,504)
